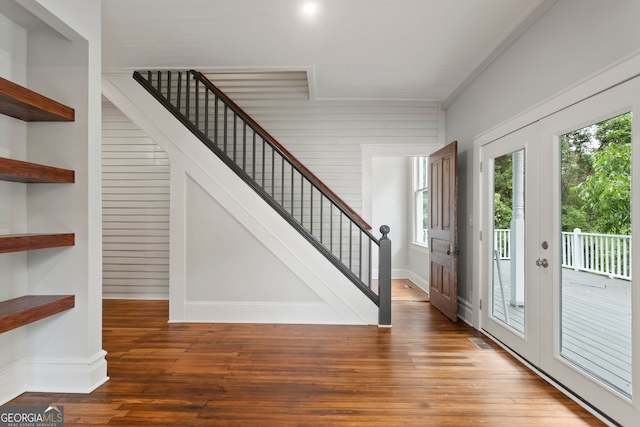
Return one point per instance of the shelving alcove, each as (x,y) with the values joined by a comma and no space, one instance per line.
(21,103)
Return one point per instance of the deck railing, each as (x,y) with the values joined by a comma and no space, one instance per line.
(605,254)
(280,179)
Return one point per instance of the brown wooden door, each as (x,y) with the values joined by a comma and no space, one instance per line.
(443,230)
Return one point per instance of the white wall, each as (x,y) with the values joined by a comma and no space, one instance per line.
(391,206)
(64,352)
(135,207)
(225,262)
(13,205)
(211,277)
(327,135)
(339,141)
(572,40)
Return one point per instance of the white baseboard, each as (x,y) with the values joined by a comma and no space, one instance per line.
(465,311)
(66,375)
(53,376)
(420,281)
(13,381)
(265,312)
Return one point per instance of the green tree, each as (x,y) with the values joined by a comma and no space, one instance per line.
(503,191)
(614,131)
(608,190)
(577,148)
(596,177)
(502,213)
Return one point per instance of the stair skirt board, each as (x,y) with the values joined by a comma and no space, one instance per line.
(190,159)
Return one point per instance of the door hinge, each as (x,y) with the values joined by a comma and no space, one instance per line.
(480,166)
(480,304)
(480,234)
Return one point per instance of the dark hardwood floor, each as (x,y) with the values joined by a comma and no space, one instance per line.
(422,372)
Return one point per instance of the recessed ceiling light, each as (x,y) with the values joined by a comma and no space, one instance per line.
(309,8)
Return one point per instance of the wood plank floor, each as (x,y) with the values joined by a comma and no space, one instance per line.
(422,372)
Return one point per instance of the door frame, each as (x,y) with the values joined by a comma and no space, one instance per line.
(606,79)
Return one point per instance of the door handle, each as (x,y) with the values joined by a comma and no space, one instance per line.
(542,262)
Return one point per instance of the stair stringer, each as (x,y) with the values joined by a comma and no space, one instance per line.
(339,300)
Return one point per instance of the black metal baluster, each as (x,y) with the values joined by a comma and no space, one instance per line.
(206,113)
(235,135)
(187,95)
(253,157)
(330,226)
(341,237)
(169,86)
(350,244)
(160,81)
(179,90)
(301,199)
(292,194)
(360,255)
(224,133)
(311,207)
(282,184)
(197,101)
(321,219)
(264,169)
(370,266)
(244,146)
(215,121)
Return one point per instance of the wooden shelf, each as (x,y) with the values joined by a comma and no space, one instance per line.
(19,171)
(28,309)
(29,242)
(24,104)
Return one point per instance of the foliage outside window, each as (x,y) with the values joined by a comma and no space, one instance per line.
(596,177)
(421,199)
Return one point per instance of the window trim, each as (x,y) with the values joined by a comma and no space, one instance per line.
(418,193)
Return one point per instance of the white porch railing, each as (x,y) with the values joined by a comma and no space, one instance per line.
(606,254)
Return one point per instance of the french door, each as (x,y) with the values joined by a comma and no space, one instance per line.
(559,211)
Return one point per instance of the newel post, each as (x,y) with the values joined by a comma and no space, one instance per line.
(384,278)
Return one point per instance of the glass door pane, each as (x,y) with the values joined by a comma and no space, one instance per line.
(508,284)
(509,188)
(595,283)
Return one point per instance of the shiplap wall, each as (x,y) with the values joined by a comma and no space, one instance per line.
(326,135)
(135,197)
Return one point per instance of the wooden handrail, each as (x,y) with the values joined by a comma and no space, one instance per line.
(282,150)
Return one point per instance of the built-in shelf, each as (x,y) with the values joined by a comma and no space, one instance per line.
(24,104)
(29,242)
(31,308)
(19,171)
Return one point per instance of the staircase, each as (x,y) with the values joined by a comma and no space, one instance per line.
(293,191)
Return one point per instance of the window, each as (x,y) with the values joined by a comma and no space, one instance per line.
(421,199)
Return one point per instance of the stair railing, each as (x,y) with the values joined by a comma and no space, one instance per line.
(337,231)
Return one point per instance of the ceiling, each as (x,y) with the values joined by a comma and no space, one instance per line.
(389,49)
